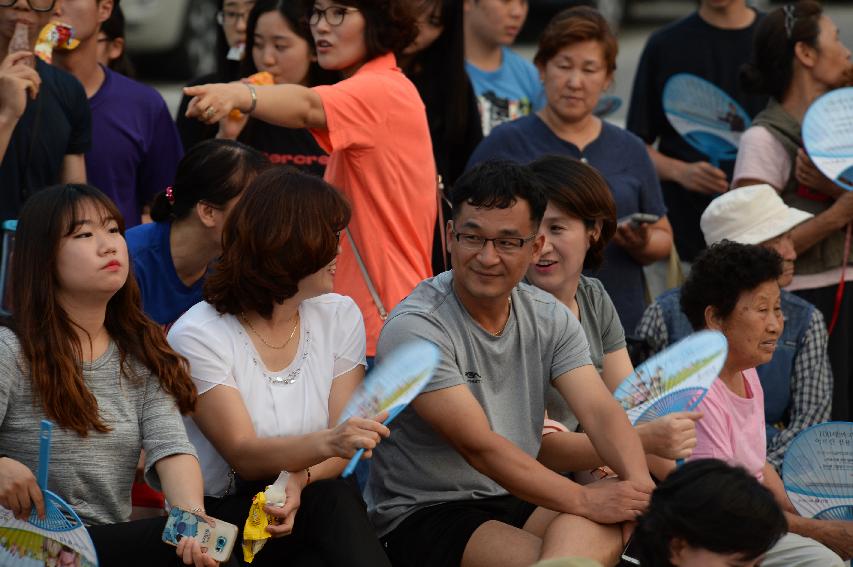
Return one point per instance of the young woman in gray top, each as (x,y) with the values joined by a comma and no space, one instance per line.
(579,221)
(79,351)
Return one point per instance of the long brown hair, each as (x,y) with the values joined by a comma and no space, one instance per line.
(48,340)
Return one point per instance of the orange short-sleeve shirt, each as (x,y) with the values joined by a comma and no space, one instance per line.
(381,158)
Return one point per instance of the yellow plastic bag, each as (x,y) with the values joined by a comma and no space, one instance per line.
(255,532)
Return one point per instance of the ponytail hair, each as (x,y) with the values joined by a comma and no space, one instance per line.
(213,171)
(771,69)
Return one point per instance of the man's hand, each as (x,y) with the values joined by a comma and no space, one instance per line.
(672,436)
(611,501)
(702,177)
(17,80)
(632,236)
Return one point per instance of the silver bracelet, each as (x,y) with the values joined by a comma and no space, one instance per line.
(254,99)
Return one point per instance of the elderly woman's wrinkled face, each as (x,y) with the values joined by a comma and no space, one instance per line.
(575,79)
(754,326)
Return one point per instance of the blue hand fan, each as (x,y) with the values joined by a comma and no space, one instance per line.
(675,379)
(607,105)
(828,135)
(705,116)
(391,386)
(44,541)
(818,470)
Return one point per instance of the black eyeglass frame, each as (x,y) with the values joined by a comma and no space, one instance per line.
(10,3)
(316,13)
(518,242)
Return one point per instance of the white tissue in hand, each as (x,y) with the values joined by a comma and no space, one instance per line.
(274,493)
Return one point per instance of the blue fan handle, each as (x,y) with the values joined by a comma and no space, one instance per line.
(44,452)
(350,468)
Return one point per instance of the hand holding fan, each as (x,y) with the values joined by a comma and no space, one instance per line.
(391,386)
(706,117)
(675,379)
(828,135)
(59,536)
(818,471)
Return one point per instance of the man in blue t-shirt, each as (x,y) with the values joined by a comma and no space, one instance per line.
(136,147)
(507,86)
(43,138)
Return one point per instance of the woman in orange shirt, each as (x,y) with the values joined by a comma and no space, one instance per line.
(373,124)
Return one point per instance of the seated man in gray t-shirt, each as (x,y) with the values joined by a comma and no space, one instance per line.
(457,483)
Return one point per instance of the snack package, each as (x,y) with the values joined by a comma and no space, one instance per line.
(21,40)
(55,35)
(263,78)
(255,534)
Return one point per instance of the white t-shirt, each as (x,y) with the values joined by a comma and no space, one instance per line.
(292,401)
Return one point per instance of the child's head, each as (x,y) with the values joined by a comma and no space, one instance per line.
(494,22)
(707,510)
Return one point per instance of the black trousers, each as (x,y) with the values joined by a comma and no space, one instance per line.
(839,347)
(133,544)
(331,529)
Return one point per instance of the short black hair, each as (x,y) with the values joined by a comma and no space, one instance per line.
(499,184)
(722,273)
(713,506)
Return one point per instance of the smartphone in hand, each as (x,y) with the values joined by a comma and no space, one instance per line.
(219,540)
(639,219)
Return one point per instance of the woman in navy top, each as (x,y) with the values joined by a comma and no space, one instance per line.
(171,256)
(576,60)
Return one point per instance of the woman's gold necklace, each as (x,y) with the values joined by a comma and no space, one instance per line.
(274,347)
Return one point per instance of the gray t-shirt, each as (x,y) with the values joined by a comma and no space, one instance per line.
(94,473)
(604,333)
(508,375)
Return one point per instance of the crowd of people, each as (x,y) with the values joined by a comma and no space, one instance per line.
(194,301)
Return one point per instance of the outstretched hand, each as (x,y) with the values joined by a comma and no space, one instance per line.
(213,102)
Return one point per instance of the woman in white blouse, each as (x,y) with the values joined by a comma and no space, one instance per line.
(275,357)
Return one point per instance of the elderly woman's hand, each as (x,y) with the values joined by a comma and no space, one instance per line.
(811,177)
(672,436)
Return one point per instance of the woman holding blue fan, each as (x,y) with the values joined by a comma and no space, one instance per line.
(79,351)
(797,57)
(275,357)
(579,221)
(733,288)
(576,60)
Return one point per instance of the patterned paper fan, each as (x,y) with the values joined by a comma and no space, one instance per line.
(828,135)
(607,105)
(58,539)
(706,117)
(844,512)
(392,385)
(818,470)
(675,379)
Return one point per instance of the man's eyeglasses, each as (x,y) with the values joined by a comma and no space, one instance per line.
(35,5)
(231,17)
(334,15)
(503,244)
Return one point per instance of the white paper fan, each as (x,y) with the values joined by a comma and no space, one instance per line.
(818,470)
(828,135)
(675,379)
(705,116)
(392,385)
